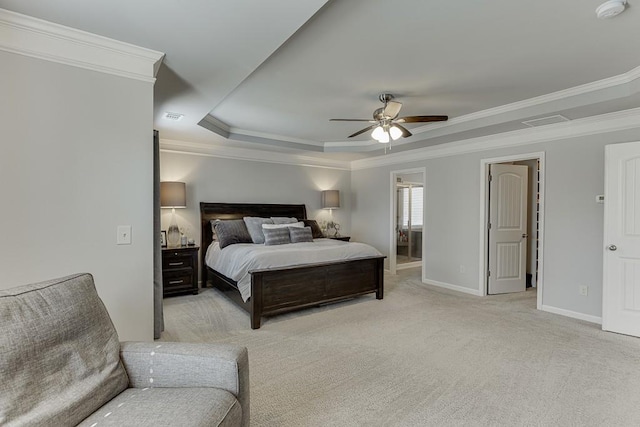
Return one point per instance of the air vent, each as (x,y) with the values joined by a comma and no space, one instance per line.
(543,121)
(173,116)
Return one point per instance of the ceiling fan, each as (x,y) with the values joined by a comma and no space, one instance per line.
(386,123)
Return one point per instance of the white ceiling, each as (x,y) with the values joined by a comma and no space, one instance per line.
(270,75)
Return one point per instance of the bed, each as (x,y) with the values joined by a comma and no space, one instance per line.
(281,289)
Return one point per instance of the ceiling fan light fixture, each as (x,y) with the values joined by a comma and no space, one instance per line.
(378,134)
(395,132)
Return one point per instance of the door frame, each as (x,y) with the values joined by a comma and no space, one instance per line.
(393,266)
(484,218)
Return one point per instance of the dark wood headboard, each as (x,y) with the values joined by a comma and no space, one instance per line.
(209,211)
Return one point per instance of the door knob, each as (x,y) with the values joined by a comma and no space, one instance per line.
(612,247)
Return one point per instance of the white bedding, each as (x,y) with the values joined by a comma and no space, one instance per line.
(235,261)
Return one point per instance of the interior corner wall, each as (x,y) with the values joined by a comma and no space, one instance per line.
(215,179)
(573,221)
(75,162)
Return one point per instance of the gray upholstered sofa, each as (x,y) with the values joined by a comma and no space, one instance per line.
(61,364)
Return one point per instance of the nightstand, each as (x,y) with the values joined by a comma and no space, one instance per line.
(180,270)
(342,238)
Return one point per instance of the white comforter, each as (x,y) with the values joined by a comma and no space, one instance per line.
(235,261)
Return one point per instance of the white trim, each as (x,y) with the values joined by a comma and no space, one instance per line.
(484,170)
(392,213)
(605,123)
(210,150)
(45,40)
(572,314)
(457,288)
(587,88)
(407,265)
(589,93)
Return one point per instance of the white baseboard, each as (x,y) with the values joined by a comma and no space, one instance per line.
(573,314)
(451,287)
(408,265)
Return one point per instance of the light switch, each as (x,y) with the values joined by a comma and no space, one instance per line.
(124,235)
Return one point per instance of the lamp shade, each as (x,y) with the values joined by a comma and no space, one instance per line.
(330,199)
(173,195)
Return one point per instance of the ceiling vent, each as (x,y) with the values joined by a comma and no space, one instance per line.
(543,121)
(173,116)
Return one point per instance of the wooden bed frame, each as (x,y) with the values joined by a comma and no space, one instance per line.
(278,290)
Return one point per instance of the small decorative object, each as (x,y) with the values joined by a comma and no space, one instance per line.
(183,240)
(331,229)
(191,242)
(163,238)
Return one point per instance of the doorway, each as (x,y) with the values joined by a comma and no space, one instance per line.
(407,219)
(529,239)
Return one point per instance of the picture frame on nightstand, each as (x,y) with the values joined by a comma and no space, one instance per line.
(163,238)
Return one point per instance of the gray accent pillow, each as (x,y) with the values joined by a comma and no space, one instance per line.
(254,225)
(283,220)
(299,235)
(59,353)
(231,231)
(316,231)
(276,236)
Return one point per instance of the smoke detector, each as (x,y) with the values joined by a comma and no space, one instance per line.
(611,8)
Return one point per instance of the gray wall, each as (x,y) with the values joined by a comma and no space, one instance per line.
(212,179)
(76,162)
(573,220)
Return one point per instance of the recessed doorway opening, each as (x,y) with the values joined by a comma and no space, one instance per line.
(512,224)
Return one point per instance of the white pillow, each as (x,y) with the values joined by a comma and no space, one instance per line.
(299,224)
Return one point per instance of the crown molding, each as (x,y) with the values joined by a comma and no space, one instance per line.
(605,123)
(36,38)
(605,89)
(209,150)
(584,89)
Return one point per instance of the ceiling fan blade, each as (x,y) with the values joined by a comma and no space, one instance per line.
(405,131)
(352,120)
(392,109)
(418,119)
(363,130)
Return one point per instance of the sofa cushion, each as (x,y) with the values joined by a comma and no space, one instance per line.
(59,353)
(169,407)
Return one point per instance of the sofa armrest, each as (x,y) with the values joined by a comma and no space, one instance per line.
(172,364)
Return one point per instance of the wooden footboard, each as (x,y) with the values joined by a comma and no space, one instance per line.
(279,290)
(276,291)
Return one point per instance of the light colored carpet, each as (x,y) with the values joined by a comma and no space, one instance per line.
(423,357)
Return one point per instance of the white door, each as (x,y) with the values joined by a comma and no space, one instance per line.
(507,229)
(621,279)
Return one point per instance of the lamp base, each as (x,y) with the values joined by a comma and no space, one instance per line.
(173,232)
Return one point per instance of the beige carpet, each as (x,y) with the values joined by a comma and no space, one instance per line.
(423,357)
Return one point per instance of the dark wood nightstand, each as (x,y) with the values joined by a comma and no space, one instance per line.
(180,270)
(343,238)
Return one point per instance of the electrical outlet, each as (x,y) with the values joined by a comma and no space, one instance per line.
(124,235)
(584,291)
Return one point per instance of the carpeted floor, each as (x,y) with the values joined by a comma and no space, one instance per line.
(423,357)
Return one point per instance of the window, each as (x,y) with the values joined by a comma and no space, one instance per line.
(416,207)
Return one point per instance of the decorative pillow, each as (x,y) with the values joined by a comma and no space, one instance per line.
(288,225)
(276,236)
(231,231)
(315,228)
(254,225)
(283,220)
(299,235)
